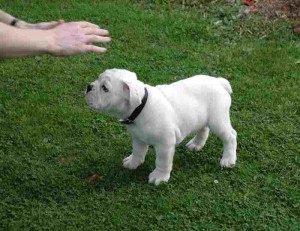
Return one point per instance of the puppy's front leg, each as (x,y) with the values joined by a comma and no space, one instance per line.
(164,163)
(139,151)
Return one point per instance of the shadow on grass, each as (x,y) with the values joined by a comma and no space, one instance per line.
(116,176)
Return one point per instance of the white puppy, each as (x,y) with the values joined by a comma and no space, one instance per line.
(164,115)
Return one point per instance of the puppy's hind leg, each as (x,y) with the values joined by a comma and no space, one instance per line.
(224,130)
(198,142)
(229,148)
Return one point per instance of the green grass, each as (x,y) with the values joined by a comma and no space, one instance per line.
(50,142)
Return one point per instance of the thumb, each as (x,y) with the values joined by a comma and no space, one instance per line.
(48,25)
(51,25)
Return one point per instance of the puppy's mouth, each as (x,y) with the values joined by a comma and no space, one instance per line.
(88,99)
(92,106)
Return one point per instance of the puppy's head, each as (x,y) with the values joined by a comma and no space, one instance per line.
(117,92)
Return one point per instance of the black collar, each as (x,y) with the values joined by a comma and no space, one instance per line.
(136,111)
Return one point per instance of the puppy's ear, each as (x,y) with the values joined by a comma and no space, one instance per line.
(134,91)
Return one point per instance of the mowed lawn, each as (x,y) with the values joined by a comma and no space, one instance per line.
(51,142)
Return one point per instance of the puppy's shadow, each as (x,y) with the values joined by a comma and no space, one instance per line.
(203,161)
(118,176)
(115,176)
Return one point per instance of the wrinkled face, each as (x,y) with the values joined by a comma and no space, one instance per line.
(114,92)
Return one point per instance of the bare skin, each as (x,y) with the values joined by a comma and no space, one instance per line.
(54,38)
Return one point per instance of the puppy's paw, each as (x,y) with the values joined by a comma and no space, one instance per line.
(228,161)
(192,146)
(158,176)
(132,162)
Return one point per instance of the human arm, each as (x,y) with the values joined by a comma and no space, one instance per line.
(8,19)
(63,40)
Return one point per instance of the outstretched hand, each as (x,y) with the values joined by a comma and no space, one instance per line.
(75,38)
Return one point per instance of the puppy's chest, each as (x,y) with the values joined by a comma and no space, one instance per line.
(143,134)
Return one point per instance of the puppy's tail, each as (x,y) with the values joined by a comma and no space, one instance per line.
(225,83)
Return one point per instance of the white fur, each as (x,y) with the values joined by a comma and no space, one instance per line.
(194,105)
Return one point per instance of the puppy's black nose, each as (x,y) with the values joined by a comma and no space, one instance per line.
(89,88)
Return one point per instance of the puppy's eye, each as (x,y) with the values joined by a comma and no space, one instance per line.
(104,88)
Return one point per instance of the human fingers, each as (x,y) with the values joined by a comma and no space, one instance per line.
(95,49)
(85,24)
(95,31)
(97,39)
